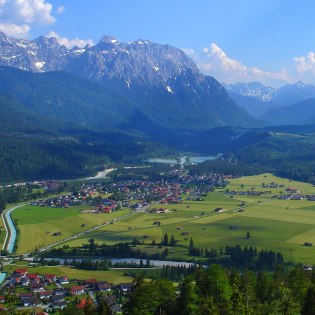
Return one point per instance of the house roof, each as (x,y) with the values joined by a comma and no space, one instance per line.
(22,270)
(77,288)
(89,281)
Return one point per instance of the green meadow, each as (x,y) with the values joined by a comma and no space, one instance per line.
(37,225)
(279,225)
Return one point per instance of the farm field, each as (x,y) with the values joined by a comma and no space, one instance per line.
(279,225)
(38,224)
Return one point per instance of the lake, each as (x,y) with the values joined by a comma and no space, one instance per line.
(185,159)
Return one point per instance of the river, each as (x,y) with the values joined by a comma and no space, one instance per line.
(12,231)
(154,263)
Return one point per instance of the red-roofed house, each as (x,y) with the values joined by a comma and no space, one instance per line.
(21,272)
(50,278)
(77,290)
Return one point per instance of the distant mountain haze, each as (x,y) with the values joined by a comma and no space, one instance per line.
(278,106)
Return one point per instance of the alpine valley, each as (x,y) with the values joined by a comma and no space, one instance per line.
(68,112)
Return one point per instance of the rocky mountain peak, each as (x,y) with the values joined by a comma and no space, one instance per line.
(107,39)
(161,80)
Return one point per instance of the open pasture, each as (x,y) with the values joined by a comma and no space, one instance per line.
(38,224)
(279,225)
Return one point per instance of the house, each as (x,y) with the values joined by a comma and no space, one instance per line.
(33,278)
(57,234)
(49,278)
(112,303)
(77,290)
(28,299)
(57,298)
(218,210)
(45,294)
(16,280)
(21,272)
(292,190)
(90,283)
(2,299)
(59,291)
(103,286)
(63,280)
(25,295)
(25,281)
(106,209)
(37,287)
(125,287)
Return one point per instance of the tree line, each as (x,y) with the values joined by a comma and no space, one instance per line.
(218,291)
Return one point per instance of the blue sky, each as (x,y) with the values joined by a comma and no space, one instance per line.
(271,41)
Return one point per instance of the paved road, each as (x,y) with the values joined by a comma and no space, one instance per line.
(84,233)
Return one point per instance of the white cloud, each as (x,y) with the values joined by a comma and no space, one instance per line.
(69,43)
(218,64)
(26,11)
(61,9)
(15,30)
(17,16)
(305,64)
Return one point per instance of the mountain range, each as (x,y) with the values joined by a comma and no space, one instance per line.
(263,102)
(65,112)
(159,82)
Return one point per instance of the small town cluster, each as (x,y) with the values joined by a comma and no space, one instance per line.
(51,292)
(138,193)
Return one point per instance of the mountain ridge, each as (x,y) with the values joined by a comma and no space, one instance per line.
(159,80)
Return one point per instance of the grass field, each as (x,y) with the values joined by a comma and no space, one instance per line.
(37,224)
(280,225)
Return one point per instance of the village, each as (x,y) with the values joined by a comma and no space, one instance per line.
(50,292)
(137,194)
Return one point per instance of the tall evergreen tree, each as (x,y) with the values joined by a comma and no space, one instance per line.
(309,303)
(165,240)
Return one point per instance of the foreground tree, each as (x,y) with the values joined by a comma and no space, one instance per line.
(309,303)
(156,297)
